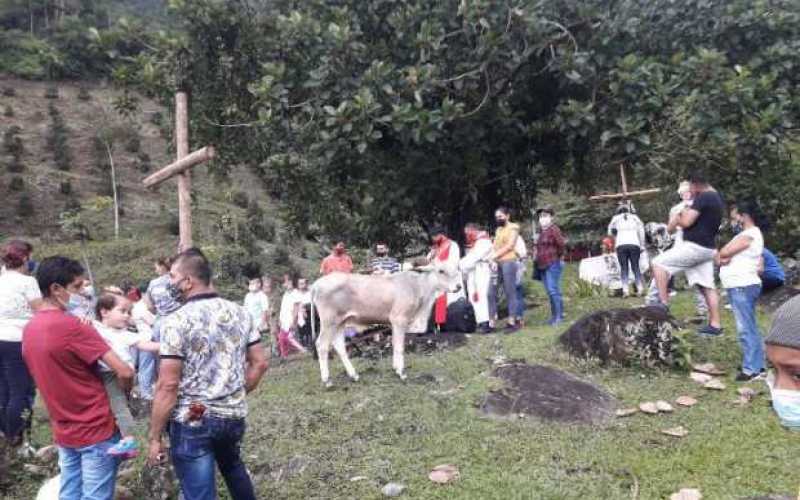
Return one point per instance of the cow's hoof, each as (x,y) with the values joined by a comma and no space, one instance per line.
(354,378)
(402,376)
(327,384)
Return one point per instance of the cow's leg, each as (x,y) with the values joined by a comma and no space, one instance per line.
(398,347)
(341,350)
(326,331)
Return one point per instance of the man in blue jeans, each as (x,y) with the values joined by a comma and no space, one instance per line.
(211,357)
(62,354)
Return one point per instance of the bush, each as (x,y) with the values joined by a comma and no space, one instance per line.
(173,225)
(57,139)
(257,223)
(134,144)
(156,118)
(8,112)
(25,206)
(143,163)
(12,143)
(15,166)
(9,91)
(51,92)
(16,184)
(240,199)
(65,188)
(83,94)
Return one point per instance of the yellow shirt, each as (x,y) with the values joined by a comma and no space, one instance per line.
(503,237)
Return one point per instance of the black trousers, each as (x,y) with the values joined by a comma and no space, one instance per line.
(629,255)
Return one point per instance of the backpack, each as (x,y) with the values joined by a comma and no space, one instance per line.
(460,317)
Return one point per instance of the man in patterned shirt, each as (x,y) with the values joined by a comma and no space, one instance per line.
(211,357)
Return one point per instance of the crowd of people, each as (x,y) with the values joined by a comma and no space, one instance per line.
(195,355)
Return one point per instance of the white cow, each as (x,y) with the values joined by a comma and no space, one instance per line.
(403,300)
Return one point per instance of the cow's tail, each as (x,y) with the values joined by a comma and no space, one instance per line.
(313,320)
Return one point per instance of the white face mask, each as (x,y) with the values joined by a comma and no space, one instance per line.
(253,287)
(545,220)
(786,403)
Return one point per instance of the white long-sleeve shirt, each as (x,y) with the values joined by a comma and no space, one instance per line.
(630,230)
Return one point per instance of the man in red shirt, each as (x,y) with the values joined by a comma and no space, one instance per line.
(337,262)
(62,354)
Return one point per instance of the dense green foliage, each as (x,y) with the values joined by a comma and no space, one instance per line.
(373,119)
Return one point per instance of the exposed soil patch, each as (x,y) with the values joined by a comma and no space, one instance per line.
(377,343)
(775,298)
(549,394)
(623,335)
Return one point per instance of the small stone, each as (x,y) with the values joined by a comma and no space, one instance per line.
(714,384)
(686,401)
(444,474)
(679,431)
(393,489)
(700,378)
(663,406)
(358,478)
(686,494)
(709,368)
(626,412)
(649,408)
(747,393)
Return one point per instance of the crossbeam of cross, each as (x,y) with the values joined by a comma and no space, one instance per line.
(624,195)
(181,168)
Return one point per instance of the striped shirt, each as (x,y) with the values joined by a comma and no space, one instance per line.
(386,264)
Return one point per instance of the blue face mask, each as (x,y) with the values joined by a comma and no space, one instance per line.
(786,403)
(75,302)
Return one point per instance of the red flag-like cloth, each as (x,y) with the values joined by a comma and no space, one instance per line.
(440,309)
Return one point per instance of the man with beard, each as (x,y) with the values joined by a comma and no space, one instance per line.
(382,263)
(337,262)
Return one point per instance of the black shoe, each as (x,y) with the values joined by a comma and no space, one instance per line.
(709,331)
(749,377)
(511,328)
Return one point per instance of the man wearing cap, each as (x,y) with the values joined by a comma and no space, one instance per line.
(783,351)
(695,256)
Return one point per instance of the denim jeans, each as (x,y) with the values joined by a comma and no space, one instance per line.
(628,257)
(508,272)
(146,371)
(16,387)
(551,279)
(743,303)
(194,451)
(88,473)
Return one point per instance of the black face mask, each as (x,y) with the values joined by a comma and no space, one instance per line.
(501,222)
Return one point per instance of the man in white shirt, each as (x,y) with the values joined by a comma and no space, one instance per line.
(288,320)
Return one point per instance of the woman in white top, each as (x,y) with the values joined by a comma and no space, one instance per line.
(628,231)
(19,297)
(739,263)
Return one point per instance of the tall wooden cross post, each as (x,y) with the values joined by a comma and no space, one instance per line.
(181,169)
(625,195)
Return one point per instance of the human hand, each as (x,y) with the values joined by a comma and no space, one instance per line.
(155,456)
(125,383)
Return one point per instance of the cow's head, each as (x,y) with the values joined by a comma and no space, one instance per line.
(441,278)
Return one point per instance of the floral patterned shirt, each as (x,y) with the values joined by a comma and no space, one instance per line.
(162,299)
(211,336)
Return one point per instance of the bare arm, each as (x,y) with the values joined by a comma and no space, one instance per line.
(735,246)
(687,218)
(169,376)
(761,266)
(149,346)
(121,369)
(257,364)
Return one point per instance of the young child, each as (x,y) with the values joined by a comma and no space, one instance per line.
(257,304)
(114,315)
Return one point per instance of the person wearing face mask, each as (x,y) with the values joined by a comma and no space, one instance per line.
(211,357)
(62,354)
(445,253)
(783,351)
(19,298)
(382,263)
(505,254)
(738,263)
(628,232)
(476,265)
(549,264)
(337,262)
(162,300)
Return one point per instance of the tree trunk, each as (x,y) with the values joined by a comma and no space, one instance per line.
(114,191)
(30,10)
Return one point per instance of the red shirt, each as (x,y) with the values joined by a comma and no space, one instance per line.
(62,354)
(549,247)
(336,264)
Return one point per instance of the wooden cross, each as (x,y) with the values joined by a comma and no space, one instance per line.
(625,195)
(181,169)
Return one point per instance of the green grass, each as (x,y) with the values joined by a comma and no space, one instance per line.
(387,430)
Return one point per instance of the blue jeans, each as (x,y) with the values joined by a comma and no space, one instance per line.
(146,371)
(16,387)
(88,473)
(508,272)
(743,303)
(551,279)
(194,451)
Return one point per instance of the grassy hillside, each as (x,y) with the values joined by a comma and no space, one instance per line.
(305,442)
(223,207)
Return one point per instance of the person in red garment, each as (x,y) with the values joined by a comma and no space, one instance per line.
(62,354)
(337,262)
(446,253)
